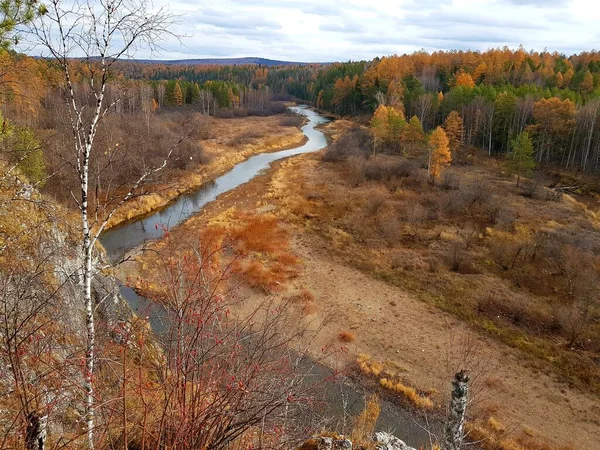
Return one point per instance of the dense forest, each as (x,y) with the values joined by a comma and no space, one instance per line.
(498,94)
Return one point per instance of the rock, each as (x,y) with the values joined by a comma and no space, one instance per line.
(327,443)
(386,441)
(324,443)
(342,444)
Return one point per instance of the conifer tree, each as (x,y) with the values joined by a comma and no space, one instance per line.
(413,134)
(178,95)
(439,153)
(453,126)
(520,159)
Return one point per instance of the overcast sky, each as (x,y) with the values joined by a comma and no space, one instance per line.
(342,30)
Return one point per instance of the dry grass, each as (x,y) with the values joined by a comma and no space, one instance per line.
(364,423)
(227,144)
(493,435)
(482,252)
(387,375)
(408,392)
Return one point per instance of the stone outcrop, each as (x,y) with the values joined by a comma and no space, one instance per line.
(386,441)
(382,440)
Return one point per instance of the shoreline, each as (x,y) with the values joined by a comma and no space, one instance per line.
(146,204)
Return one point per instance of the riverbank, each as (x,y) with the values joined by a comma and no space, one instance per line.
(386,322)
(229,142)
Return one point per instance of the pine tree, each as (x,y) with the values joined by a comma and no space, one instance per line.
(29,156)
(439,153)
(520,160)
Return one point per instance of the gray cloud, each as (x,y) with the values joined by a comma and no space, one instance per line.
(328,30)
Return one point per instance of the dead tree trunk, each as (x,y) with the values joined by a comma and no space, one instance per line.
(35,435)
(454,432)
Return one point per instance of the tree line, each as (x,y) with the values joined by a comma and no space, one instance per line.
(498,94)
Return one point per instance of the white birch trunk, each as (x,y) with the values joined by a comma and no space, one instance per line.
(454,429)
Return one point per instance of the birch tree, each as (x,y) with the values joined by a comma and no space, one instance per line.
(100,33)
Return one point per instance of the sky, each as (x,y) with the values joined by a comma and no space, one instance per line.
(343,30)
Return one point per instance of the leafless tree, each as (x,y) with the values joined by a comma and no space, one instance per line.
(101,33)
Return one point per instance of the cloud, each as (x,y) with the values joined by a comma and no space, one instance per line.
(342,30)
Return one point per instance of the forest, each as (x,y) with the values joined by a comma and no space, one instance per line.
(82,138)
(498,94)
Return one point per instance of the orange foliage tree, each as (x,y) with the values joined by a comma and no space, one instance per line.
(453,126)
(464,79)
(439,153)
(554,122)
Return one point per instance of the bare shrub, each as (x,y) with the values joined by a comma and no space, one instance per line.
(415,213)
(224,113)
(375,200)
(450,181)
(515,309)
(240,112)
(356,173)
(459,259)
(245,138)
(509,249)
(390,226)
(409,261)
(533,189)
(355,142)
(551,195)
(292,120)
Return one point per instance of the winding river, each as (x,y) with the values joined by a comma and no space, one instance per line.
(120,239)
(341,398)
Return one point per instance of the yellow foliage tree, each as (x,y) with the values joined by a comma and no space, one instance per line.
(568,76)
(387,125)
(587,84)
(178,95)
(413,134)
(480,71)
(559,79)
(439,153)
(453,126)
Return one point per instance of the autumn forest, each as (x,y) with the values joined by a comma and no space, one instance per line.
(200,254)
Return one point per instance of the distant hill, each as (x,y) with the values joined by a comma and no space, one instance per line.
(227,62)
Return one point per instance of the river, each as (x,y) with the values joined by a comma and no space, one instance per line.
(340,398)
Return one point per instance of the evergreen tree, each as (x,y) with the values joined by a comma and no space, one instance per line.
(413,134)
(520,159)
(14,13)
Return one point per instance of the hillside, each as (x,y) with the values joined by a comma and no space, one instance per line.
(250,60)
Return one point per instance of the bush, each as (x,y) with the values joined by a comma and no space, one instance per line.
(224,113)
(240,112)
(292,121)
(346,336)
(282,98)
(356,142)
(450,181)
(247,137)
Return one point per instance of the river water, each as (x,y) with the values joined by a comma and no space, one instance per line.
(341,398)
(118,240)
